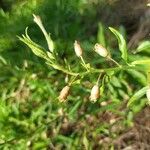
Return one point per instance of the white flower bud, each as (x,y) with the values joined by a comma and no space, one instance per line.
(78,49)
(148,94)
(95,93)
(112,121)
(103,103)
(60,112)
(100,50)
(64,93)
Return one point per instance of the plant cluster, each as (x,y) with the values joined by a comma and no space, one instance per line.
(91,111)
(50,57)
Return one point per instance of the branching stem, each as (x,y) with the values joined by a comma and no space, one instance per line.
(84,63)
(109,58)
(93,70)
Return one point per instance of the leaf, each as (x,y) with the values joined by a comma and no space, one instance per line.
(115,82)
(74,108)
(100,35)
(85,141)
(144,46)
(138,76)
(4,111)
(63,138)
(50,42)
(139,105)
(122,31)
(36,49)
(127,86)
(129,120)
(3,60)
(102,88)
(121,42)
(143,65)
(123,94)
(137,95)
(50,55)
(141,62)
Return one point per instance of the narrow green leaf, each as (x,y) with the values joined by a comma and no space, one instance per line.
(144,46)
(74,108)
(122,31)
(138,76)
(141,62)
(3,60)
(50,55)
(115,82)
(50,42)
(85,141)
(64,138)
(36,49)
(102,88)
(137,95)
(100,35)
(121,42)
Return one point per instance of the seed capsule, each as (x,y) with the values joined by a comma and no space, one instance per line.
(64,93)
(95,93)
(78,49)
(100,50)
(148,94)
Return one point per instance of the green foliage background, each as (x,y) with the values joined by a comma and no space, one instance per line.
(31,116)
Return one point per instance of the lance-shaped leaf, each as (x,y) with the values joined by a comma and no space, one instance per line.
(137,95)
(50,42)
(141,62)
(138,76)
(144,46)
(121,42)
(101,35)
(36,49)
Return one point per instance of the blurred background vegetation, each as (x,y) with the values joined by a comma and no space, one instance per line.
(31,116)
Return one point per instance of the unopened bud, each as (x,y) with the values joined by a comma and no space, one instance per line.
(148,94)
(103,103)
(64,93)
(112,121)
(95,93)
(78,49)
(100,50)
(60,112)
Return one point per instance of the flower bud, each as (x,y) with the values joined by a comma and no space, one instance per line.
(95,93)
(64,93)
(78,49)
(100,50)
(148,94)
(112,121)
(103,103)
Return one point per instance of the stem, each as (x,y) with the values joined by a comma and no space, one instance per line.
(93,70)
(99,78)
(71,82)
(114,61)
(67,71)
(84,63)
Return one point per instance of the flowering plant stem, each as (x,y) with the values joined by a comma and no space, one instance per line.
(93,70)
(84,63)
(109,58)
